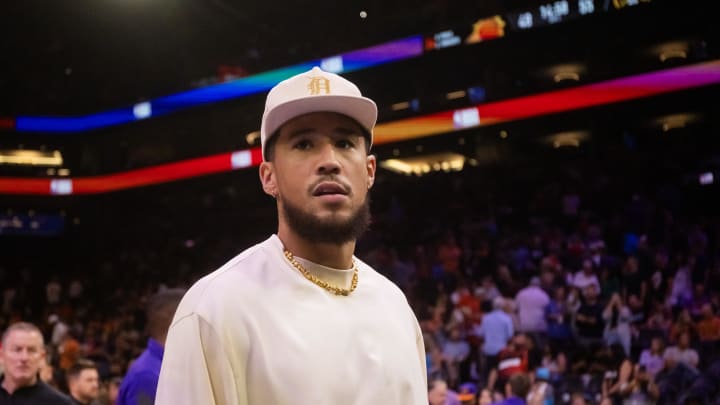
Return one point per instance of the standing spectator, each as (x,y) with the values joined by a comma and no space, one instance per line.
(83,382)
(588,320)
(531,302)
(557,314)
(633,281)
(22,354)
(496,329)
(140,383)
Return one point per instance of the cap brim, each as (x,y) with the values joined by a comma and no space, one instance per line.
(361,109)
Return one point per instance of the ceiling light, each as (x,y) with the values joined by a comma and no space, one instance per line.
(252,137)
(31,157)
(568,139)
(567,71)
(671,50)
(419,165)
(562,76)
(400,106)
(455,94)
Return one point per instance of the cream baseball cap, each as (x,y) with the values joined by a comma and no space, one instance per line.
(315,91)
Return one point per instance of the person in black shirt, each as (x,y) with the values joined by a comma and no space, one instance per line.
(21,354)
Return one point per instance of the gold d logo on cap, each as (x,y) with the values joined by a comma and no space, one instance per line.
(319,84)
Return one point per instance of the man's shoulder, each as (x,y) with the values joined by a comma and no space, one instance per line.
(233,277)
(51,396)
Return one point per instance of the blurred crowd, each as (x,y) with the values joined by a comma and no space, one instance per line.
(569,287)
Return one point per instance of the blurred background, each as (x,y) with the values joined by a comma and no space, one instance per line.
(517,140)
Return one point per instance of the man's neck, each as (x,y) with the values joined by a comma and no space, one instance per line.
(337,256)
(12,386)
(79,399)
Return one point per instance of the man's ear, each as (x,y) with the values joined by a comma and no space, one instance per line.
(267,178)
(371,166)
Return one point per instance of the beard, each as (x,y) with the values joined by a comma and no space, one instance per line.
(327,230)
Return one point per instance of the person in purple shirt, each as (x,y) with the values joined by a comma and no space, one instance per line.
(140,383)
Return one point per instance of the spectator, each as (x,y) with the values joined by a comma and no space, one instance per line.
(22,355)
(83,382)
(455,353)
(681,354)
(708,329)
(516,390)
(588,320)
(558,314)
(495,330)
(542,391)
(617,323)
(586,276)
(652,358)
(140,384)
(531,303)
(440,394)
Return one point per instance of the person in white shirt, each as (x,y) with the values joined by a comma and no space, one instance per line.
(586,276)
(297,319)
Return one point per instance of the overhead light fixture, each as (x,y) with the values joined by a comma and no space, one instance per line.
(568,139)
(562,76)
(566,72)
(404,105)
(674,121)
(671,50)
(424,164)
(456,94)
(252,138)
(31,157)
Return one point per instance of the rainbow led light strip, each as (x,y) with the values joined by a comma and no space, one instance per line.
(608,92)
(344,63)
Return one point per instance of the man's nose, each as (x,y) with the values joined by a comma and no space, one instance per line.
(328,159)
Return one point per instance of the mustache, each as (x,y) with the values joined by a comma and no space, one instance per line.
(333,179)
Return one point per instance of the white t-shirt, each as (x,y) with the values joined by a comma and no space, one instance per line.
(256,332)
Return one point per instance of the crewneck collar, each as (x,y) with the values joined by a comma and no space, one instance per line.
(341,278)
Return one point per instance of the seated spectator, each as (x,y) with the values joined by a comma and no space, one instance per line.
(455,352)
(586,276)
(516,390)
(617,323)
(681,354)
(440,394)
(513,359)
(652,358)
(683,324)
(708,328)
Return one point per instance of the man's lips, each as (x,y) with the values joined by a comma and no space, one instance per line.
(329,188)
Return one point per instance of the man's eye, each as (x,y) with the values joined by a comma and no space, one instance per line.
(302,145)
(345,144)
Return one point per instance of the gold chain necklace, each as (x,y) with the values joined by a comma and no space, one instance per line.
(333,289)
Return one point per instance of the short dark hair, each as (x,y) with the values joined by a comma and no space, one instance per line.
(80,365)
(270,144)
(160,311)
(519,385)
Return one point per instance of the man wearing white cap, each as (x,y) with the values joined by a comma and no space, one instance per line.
(297,319)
